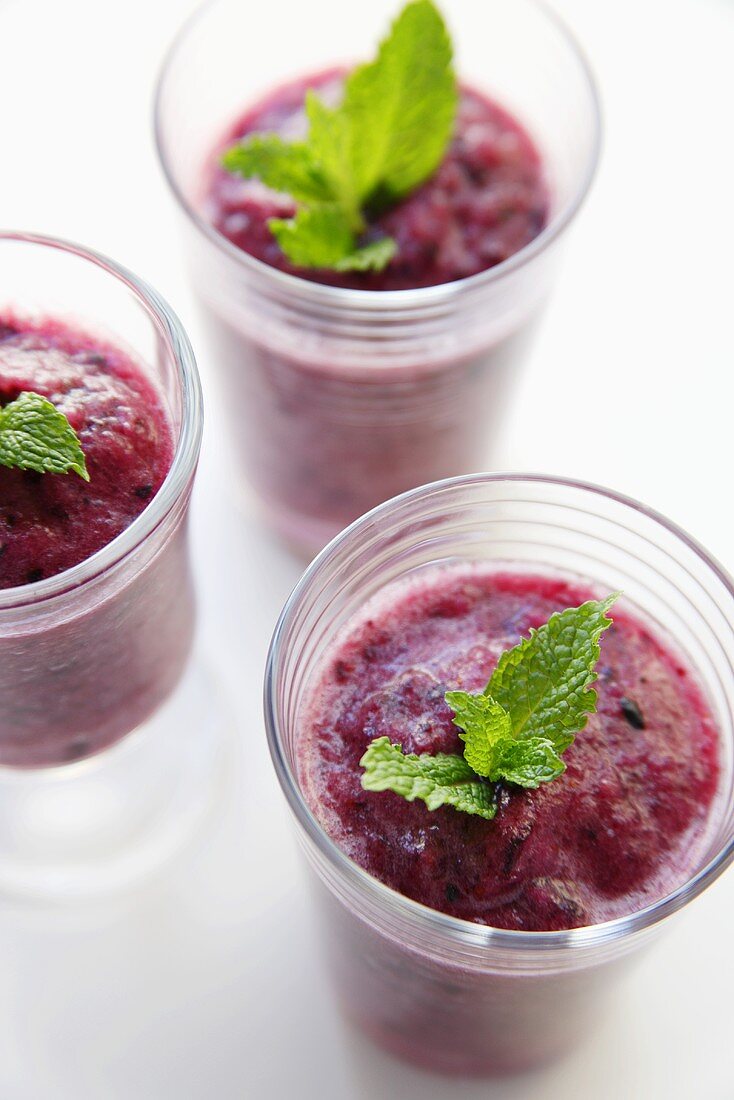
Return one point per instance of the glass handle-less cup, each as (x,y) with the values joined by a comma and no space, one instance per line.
(96,652)
(341,399)
(445,993)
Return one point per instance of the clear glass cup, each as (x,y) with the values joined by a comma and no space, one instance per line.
(444,993)
(338,398)
(93,653)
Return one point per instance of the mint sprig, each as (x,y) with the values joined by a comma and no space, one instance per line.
(386,137)
(537,699)
(440,780)
(35,435)
(319,236)
(282,166)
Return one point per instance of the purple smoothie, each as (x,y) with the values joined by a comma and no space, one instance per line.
(621,828)
(50,522)
(487,200)
(335,412)
(81,669)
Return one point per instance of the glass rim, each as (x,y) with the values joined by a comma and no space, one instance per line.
(188,444)
(464,932)
(369,301)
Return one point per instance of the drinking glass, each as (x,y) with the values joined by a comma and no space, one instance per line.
(445,993)
(105,745)
(339,398)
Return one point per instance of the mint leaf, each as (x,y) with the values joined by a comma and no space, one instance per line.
(543,683)
(440,780)
(283,167)
(401,107)
(528,762)
(485,726)
(318,236)
(387,136)
(34,435)
(490,749)
(329,138)
(536,700)
(514,731)
(372,257)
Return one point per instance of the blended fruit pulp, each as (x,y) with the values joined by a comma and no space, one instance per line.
(80,670)
(486,201)
(618,830)
(51,522)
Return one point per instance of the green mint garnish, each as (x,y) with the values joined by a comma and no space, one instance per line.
(387,136)
(34,435)
(440,780)
(537,699)
(319,237)
(284,167)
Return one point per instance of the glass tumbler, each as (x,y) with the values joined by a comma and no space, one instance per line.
(339,398)
(98,651)
(444,993)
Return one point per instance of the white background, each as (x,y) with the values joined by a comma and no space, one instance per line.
(206,983)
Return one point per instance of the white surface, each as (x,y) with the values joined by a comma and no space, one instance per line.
(206,983)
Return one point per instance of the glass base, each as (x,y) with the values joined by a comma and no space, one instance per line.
(106,822)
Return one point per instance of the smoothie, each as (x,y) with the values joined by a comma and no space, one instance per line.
(345,388)
(329,422)
(487,200)
(621,828)
(50,522)
(80,670)
(475,946)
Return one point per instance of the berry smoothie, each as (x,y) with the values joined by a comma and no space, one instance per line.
(626,823)
(487,200)
(50,522)
(621,828)
(335,411)
(81,669)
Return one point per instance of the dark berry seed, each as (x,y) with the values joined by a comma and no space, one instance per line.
(452,892)
(513,851)
(11,519)
(77,748)
(537,219)
(632,713)
(34,575)
(143,491)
